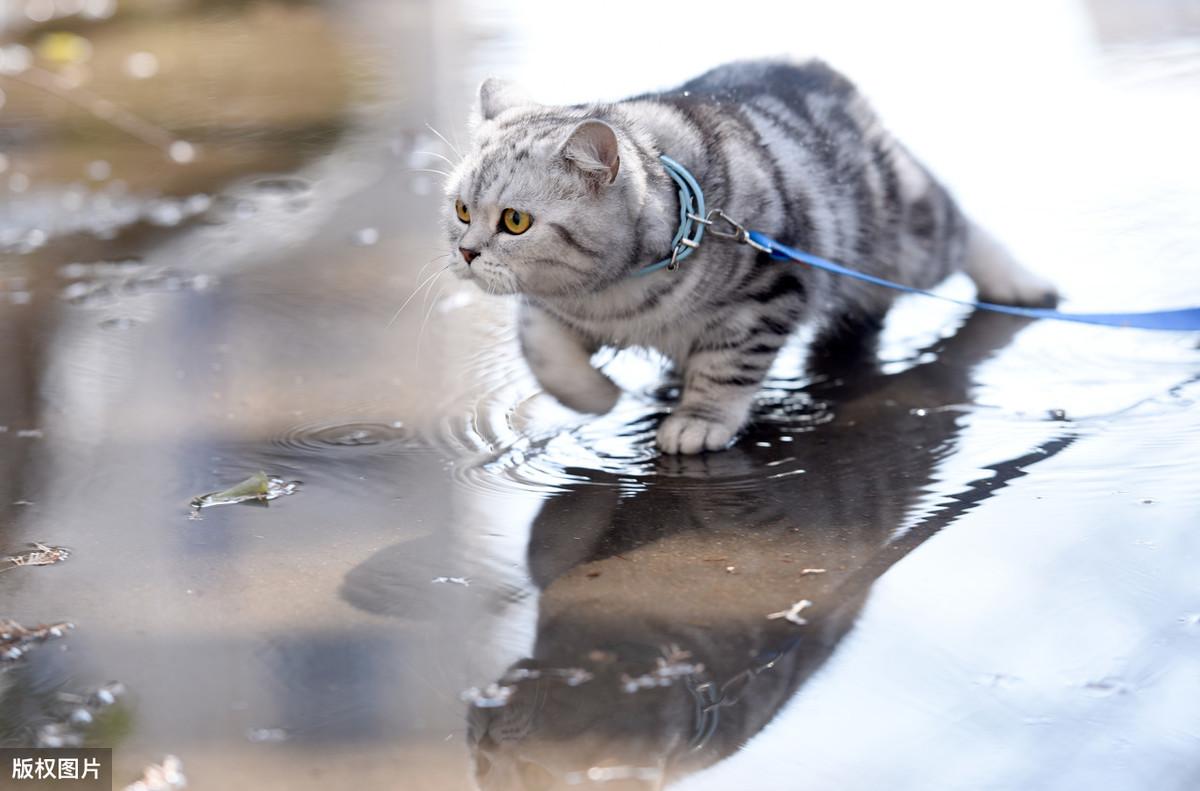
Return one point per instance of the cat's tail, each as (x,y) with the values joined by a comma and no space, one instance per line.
(1000,279)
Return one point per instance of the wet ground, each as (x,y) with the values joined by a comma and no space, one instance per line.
(210,214)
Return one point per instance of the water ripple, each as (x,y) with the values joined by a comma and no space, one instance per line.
(351,437)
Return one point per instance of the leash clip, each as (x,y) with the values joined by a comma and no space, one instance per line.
(684,244)
(739,233)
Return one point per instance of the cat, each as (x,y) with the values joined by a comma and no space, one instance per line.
(562,205)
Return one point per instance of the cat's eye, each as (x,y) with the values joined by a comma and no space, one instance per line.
(515,222)
(460,209)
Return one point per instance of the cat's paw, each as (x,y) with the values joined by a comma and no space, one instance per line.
(595,395)
(1023,289)
(1000,279)
(689,434)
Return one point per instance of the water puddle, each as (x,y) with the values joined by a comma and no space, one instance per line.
(974,533)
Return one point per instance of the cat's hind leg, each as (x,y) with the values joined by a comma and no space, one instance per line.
(999,278)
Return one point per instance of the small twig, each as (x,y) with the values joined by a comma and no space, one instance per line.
(792,614)
(131,124)
(40,555)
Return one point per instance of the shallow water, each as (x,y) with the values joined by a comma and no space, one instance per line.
(994,520)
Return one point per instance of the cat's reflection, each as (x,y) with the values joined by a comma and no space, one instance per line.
(661,596)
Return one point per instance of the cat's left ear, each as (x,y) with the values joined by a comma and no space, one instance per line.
(592,147)
(496,96)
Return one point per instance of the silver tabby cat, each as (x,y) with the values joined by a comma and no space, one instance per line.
(562,204)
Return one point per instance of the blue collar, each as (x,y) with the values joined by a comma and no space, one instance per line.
(692,218)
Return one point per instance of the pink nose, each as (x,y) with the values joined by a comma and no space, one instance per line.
(468,255)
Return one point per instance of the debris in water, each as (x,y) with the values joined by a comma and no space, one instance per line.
(40,555)
(267,735)
(491,697)
(107,694)
(605,774)
(464,581)
(99,170)
(998,680)
(141,65)
(259,487)
(366,237)
(572,676)
(167,776)
(77,714)
(181,151)
(105,282)
(165,213)
(16,639)
(58,734)
(792,614)
(811,571)
(672,665)
(118,323)
(1105,687)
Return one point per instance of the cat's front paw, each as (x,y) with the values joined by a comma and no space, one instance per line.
(594,395)
(689,434)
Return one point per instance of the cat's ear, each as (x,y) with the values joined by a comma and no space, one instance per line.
(496,96)
(592,147)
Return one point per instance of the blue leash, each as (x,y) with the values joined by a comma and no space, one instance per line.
(1181,319)
(693,221)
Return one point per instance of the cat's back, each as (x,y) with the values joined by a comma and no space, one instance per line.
(800,91)
(791,82)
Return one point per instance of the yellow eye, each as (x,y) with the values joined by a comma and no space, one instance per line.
(515,222)
(460,209)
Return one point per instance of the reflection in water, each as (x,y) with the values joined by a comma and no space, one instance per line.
(673,584)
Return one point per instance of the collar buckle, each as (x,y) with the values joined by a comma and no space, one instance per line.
(738,233)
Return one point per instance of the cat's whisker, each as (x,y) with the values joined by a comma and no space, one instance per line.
(421,271)
(441,173)
(432,278)
(442,157)
(453,147)
(429,312)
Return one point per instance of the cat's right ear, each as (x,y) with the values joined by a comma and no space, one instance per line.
(496,96)
(592,148)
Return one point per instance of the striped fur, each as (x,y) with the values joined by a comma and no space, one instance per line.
(791,149)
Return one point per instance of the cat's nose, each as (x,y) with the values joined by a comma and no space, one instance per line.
(468,255)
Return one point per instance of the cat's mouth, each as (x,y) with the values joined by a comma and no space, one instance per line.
(488,276)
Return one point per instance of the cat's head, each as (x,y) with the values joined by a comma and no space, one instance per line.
(545,202)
